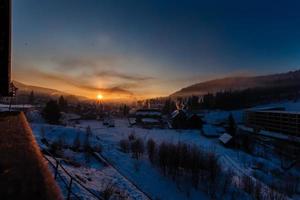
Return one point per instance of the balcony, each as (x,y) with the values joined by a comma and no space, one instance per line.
(24,173)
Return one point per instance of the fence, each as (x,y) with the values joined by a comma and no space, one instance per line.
(59,170)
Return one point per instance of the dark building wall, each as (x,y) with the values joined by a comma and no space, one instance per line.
(194,122)
(5,46)
(281,122)
(179,121)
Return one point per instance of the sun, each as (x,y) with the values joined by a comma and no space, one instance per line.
(99,96)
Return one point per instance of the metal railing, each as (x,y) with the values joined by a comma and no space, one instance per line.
(68,184)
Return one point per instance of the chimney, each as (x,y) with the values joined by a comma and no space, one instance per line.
(5,47)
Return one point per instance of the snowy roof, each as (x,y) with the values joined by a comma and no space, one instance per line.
(177,112)
(280,112)
(289,107)
(225,138)
(148,112)
(132,120)
(266,108)
(150,120)
(271,134)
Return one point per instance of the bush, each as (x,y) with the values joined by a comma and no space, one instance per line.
(108,192)
(125,145)
(76,143)
(151,148)
(184,162)
(131,137)
(97,148)
(43,134)
(137,148)
(87,145)
(56,147)
(51,112)
(248,184)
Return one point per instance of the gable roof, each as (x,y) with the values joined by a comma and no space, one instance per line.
(178,112)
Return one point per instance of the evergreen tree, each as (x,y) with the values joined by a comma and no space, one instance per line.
(193,103)
(88,134)
(125,110)
(231,125)
(31,98)
(169,107)
(63,104)
(51,112)
(76,143)
(78,108)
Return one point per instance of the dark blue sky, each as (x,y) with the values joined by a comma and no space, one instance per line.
(153,47)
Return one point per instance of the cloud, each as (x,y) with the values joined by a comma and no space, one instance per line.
(79,62)
(82,84)
(112,90)
(98,68)
(115,74)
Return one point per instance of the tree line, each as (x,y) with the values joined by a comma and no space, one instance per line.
(230,100)
(191,166)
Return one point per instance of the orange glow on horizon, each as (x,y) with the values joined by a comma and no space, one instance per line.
(100,97)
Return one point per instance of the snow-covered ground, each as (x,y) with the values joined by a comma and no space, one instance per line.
(5,107)
(147,177)
(94,174)
(138,179)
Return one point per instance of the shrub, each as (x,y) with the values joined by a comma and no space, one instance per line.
(162,157)
(76,143)
(87,145)
(131,137)
(43,134)
(151,148)
(137,148)
(248,184)
(51,112)
(56,147)
(108,192)
(125,145)
(184,162)
(257,191)
(97,148)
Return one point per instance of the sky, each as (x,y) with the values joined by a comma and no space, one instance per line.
(148,48)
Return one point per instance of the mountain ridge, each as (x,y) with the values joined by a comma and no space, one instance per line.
(239,83)
(24,89)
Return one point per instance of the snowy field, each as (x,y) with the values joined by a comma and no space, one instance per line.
(138,179)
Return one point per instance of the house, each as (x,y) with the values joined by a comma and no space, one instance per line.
(148,118)
(147,113)
(151,123)
(178,119)
(274,120)
(194,121)
(182,119)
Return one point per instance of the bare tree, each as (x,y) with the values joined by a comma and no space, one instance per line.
(137,148)
(76,143)
(125,145)
(88,134)
(151,148)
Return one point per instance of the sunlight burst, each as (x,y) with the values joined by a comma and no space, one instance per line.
(99,96)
